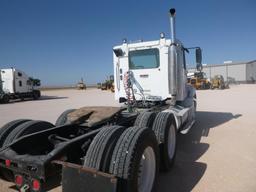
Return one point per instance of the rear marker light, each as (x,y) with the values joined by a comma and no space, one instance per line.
(36,185)
(18,180)
(8,162)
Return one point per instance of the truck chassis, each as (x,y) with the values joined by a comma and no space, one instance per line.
(67,145)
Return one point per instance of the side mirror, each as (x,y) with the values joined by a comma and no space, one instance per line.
(199,65)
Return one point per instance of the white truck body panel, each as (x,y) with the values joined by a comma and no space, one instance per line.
(154,81)
(7,80)
(15,81)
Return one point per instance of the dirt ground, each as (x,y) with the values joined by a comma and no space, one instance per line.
(218,154)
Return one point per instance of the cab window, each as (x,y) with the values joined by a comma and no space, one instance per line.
(144,59)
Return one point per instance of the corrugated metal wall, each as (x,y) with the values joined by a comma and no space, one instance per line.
(251,72)
(218,70)
(238,72)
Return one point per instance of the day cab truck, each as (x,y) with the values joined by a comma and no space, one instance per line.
(15,84)
(119,149)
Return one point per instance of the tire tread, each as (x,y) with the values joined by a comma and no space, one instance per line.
(25,129)
(62,119)
(95,154)
(8,128)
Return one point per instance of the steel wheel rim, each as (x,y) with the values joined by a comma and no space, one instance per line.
(147,170)
(171,141)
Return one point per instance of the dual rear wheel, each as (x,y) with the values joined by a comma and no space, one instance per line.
(135,154)
(131,154)
(164,126)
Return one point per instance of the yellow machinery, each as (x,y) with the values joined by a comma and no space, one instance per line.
(199,81)
(108,84)
(217,82)
(81,85)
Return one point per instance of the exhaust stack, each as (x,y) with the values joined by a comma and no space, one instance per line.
(172,25)
(172,58)
(177,78)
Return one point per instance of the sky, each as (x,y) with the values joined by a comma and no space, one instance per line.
(62,41)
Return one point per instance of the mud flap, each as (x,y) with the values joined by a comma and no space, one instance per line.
(80,179)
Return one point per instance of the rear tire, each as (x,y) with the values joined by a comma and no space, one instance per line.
(165,129)
(99,154)
(63,118)
(145,119)
(36,94)
(8,128)
(27,128)
(135,160)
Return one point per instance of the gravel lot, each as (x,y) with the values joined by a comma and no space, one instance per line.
(218,154)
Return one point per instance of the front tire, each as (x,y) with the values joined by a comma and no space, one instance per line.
(165,129)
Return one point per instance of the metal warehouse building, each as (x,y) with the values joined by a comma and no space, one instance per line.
(244,72)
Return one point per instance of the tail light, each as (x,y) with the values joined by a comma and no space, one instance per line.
(18,180)
(36,185)
(7,162)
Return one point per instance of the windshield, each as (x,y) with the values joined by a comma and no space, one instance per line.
(144,59)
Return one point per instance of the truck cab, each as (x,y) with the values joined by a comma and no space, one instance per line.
(153,71)
(17,84)
(15,81)
(150,64)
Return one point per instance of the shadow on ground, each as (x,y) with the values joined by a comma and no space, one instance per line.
(186,172)
(42,98)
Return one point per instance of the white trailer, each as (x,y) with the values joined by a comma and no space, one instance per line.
(15,84)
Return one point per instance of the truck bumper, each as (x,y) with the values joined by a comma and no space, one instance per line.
(83,179)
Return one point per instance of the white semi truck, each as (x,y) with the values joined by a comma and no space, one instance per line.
(119,149)
(15,84)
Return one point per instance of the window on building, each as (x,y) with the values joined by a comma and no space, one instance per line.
(19,74)
(20,83)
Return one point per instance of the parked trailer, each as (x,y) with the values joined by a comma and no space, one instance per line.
(110,148)
(15,84)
